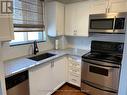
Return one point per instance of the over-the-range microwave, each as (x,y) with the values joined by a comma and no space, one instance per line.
(108,23)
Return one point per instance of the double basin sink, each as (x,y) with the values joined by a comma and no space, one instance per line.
(42,56)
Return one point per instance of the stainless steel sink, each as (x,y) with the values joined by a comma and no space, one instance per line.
(42,56)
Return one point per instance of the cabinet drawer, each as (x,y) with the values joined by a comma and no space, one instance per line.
(76,71)
(74,79)
(76,65)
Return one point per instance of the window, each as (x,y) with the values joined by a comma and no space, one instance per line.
(28,20)
(27,37)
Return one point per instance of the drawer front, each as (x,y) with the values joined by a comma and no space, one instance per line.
(76,65)
(74,79)
(75,71)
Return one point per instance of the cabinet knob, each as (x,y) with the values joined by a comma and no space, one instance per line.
(107,10)
(75,32)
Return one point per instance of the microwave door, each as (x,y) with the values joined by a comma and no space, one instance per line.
(119,26)
(102,25)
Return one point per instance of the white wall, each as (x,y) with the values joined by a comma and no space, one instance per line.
(22,50)
(85,42)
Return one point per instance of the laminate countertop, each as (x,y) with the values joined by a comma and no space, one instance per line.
(17,65)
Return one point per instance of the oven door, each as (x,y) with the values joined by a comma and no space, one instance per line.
(101,73)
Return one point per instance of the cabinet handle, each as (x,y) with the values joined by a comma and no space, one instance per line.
(74,80)
(53,63)
(75,32)
(108,10)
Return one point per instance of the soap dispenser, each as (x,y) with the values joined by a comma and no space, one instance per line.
(56,44)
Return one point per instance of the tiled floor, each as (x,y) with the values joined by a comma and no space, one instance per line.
(68,90)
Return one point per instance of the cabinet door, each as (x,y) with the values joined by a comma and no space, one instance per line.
(40,79)
(70,19)
(98,6)
(59,72)
(6,28)
(76,19)
(82,17)
(118,5)
(51,18)
(55,18)
(60,19)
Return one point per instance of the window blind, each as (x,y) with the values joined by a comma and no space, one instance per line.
(28,15)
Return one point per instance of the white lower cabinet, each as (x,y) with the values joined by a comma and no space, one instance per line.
(59,72)
(40,79)
(46,78)
(74,70)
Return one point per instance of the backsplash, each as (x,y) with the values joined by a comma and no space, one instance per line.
(22,50)
(85,42)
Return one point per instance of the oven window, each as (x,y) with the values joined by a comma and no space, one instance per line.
(98,70)
(101,23)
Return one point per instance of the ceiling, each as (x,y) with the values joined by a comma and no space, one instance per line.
(67,1)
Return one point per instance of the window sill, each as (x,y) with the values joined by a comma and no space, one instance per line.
(24,43)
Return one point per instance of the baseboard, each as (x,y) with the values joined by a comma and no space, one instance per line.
(58,87)
(74,86)
(66,83)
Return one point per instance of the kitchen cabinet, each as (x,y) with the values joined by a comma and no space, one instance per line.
(98,6)
(55,18)
(6,28)
(107,6)
(48,77)
(74,70)
(76,19)
(118,5)
(59,72)
(40,79)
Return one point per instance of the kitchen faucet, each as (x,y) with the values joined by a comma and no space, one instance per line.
(35,49)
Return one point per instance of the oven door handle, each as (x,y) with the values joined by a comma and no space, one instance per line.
(100,64)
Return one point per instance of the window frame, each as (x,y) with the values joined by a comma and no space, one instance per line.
(25,43)
(31,41)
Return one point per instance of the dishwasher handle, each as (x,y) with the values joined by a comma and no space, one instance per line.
(14,80)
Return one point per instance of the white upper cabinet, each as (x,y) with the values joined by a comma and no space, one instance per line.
(76,19)
(108,6)
(55,18)
(98,6)
(118,6)
(70,20)
(6,25)
(6,29)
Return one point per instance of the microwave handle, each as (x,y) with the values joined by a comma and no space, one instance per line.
(114,24)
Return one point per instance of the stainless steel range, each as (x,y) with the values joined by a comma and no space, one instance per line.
(101,68)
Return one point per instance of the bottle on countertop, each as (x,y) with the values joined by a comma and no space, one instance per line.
(56,44)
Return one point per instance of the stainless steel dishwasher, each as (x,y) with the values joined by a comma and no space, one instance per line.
(18,84)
